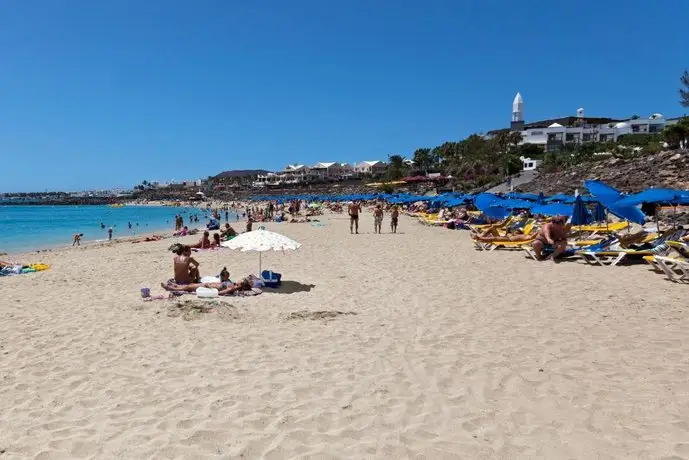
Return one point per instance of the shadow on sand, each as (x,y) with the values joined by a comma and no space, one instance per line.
(289,287)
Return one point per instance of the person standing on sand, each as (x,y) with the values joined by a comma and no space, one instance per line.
(353,211)
(378,219)
(394,217)
(110,233)
(77,239)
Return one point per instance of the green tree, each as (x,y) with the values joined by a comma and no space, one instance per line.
(677,134)
(423,160)
(397,168)
(684,90)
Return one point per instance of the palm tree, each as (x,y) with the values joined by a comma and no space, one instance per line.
(397,168)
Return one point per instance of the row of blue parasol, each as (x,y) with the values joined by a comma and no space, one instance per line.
(606,199)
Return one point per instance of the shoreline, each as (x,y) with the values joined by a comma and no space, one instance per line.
(31,248)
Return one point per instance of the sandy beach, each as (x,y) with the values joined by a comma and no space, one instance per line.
(427,349)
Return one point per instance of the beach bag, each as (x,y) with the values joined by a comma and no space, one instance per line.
(271,279)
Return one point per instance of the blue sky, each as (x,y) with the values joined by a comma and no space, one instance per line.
(97,94)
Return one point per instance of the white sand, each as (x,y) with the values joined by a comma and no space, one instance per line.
(452,353)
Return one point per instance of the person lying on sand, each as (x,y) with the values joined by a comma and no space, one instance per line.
(492,238)
(148,239)
(553,233)
(204,242)
(224,287)
(186,268)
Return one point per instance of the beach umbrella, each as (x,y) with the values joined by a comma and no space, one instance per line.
(553,209)
(496,212)
(602,191)
(599,214)
(261,240)
(580,215)
(630,213)
(656,195)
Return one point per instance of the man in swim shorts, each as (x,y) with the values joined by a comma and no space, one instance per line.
(553,234)
(353,211)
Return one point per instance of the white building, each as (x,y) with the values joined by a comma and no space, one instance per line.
(371,168)
(554,133)
(529,164)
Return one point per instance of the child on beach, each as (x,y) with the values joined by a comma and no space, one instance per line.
(77,239)
(377,218)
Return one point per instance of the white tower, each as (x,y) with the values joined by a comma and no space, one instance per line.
(518,108)
(580,113)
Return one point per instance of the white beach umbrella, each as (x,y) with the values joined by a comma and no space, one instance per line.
(261,240)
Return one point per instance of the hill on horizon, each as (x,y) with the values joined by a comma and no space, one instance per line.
(240,173)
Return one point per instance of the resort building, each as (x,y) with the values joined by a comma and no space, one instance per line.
(553,134)
(371,168)
(332,170)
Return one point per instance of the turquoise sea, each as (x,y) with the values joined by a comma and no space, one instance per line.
(27,228)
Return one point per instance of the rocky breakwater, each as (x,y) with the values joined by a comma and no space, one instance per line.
(628,174)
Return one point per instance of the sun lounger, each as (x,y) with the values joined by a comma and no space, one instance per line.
(676,269)
(574,251)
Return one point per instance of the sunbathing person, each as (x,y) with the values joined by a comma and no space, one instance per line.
(507,237)
(204,242)
(186,268)
(554,234)
(224,287)
(228,232)
(183,232)
(216,240)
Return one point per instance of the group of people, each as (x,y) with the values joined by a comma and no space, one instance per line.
(188,277)
(354,209)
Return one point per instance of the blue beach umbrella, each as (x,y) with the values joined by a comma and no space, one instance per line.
(630,213)
(496,212)
(599,214)
(602,191)
(656,195)
(553,209)
(580,215)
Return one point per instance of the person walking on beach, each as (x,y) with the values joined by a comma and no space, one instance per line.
(378,218)
(394,216)
(353,211)
(110,233)
(77,239)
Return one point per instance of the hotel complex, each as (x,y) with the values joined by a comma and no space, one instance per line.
(553,134)
(323,171)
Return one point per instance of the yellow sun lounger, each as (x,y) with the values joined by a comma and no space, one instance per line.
(601,228)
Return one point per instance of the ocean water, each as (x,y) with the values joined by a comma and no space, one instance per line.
(27,228)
